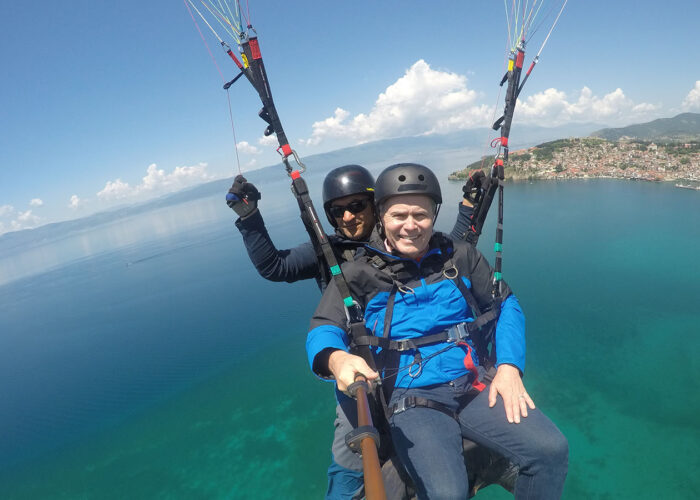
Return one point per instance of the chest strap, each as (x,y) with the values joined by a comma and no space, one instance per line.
(460,332)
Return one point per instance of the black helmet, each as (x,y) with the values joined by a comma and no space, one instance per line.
(407,178)
(345,181)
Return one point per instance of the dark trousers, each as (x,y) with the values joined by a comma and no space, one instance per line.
(429,444)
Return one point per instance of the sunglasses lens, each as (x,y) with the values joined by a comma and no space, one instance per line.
(354,207)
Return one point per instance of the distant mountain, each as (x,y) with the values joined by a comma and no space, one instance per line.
(470,143)
(466,146)
(684,127)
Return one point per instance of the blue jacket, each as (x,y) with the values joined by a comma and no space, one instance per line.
(434,304)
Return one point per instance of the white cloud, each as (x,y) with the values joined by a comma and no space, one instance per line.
(27,217)
(553,107)
(181,177)
(156,181)
(24,220)
(15,220)
(645,107)
(75,202)
(6,210)
(115,190)
(268,140)
(246,148)
(422,101)
(692,100)
(36,202)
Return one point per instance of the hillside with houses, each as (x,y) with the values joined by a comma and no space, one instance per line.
(666,159)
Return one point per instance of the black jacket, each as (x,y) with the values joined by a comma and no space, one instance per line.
(302,262)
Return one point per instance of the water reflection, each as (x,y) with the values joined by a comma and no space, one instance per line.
(44,253)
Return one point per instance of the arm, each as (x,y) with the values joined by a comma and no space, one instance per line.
(509,341)
(462,227)
(510,329)
(327,343)
(472,194)
(294,264)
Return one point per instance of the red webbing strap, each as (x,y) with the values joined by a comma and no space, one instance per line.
(469,365)
(255,48)
(286,149)
(519,59)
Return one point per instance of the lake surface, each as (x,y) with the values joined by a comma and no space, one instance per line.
(143,357)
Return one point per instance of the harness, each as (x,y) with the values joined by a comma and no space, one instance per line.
(477,333)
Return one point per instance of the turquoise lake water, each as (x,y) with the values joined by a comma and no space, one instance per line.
(145,358)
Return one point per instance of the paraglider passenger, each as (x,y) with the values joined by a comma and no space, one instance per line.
(421,291)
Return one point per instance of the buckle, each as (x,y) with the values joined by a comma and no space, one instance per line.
(404,345)
(400,406)
(458,333)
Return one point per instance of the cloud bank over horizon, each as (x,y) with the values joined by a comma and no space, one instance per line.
(156,182)
(12,219)
(428,101)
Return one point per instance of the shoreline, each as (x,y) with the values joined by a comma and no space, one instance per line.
(693,184)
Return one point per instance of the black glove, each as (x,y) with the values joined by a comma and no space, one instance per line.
(242,197)
(472,188)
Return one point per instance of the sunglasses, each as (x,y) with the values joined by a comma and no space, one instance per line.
(354,207)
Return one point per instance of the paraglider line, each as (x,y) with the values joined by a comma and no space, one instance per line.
(205,40)
(228,97)
(221,19)
(552,28)
(233,131)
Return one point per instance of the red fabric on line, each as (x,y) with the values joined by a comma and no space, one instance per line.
(255,48)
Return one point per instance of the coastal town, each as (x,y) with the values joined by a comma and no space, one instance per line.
(593,157)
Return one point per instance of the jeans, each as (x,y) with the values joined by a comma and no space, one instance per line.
(429,443)
(345,476)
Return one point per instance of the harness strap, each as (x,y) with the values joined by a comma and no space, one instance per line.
(481,334)
(378,262)
(457,333)
(348,255)
(400,345)
(419,402)
(389,358)
(484,319)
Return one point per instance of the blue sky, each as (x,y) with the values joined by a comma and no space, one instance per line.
(104,103)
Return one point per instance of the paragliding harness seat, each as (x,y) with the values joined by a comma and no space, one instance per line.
(486,467)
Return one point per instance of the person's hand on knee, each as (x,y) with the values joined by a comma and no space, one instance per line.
(509,385)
